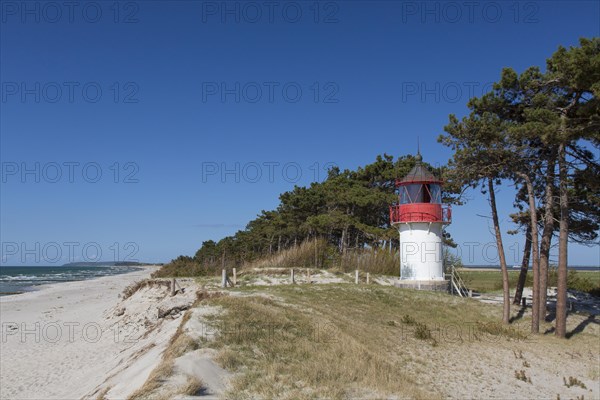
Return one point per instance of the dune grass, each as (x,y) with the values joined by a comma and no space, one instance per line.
(133,288)
(339,341)
(179,344)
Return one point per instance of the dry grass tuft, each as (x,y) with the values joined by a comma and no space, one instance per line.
(301,256)
(520,375)
(158,377)
(202,295)
(179,344)
(183,344)
(408,320)
(573,382)
(192,387)
(229,359)
(102,393)
(497,329)
(133,288)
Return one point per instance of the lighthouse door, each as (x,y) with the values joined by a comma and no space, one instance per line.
(407,271)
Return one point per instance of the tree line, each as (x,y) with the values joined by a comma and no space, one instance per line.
(348,212)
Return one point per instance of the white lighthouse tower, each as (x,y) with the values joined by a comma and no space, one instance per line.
(420,217)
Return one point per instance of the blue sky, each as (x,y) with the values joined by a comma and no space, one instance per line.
(148,127)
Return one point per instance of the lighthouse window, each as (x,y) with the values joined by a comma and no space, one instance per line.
(436,193)
(415,193)
(404,199)
(426,194)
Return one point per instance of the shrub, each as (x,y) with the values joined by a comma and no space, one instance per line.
(183,266)
(573,382)
(422,332)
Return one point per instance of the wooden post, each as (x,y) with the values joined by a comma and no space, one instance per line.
(308,275)
(292,276)
(235,277)
(173,287)
(368,278)
(224,278)
(356,277)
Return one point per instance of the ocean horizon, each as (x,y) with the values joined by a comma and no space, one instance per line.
(20,279)
(511,267)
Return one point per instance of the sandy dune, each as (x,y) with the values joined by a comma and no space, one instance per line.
(66,340)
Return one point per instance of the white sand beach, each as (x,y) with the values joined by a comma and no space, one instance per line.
(66,340)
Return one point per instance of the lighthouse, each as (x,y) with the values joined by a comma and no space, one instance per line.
(420,217)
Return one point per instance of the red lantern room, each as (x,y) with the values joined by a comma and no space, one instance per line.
(420,198)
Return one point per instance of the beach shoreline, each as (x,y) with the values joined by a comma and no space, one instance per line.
(11,285)
(66,339)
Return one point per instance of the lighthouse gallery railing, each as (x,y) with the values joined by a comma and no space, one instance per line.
(401,214)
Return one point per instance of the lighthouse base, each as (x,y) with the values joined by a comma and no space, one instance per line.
(436,286)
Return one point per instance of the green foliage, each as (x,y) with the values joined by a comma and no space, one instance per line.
(576,281)
(451,260)
(348,214)
(514,131)
(180,267)
(490,281)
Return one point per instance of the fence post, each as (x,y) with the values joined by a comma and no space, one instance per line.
(292,276)
(224,278)
(173,287)
(235,277)
(356,277)
(368,278)
(308,274)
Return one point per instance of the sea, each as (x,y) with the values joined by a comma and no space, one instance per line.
(518,267)
(15,280)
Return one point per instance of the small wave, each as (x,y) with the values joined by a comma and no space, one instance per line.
(18,278)
(42,276)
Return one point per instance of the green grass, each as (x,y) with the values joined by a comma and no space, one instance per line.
(491,281)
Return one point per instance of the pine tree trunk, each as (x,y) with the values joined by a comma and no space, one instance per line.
(343,240)
(524,267)
(546,238)
(316,252)
(535,252)
(503,267)
(561,298)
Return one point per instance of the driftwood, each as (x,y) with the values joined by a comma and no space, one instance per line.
(172,311)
